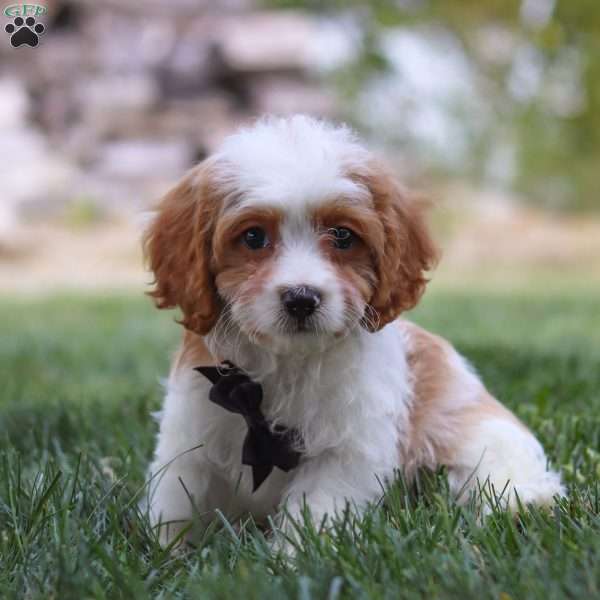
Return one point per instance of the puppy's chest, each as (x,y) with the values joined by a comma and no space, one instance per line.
(309,400)
(291,401)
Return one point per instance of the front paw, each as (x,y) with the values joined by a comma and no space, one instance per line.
(298,524)
(173,535)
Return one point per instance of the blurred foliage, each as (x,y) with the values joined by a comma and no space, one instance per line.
(82,213)
(552,124)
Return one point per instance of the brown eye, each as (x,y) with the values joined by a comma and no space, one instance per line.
(342,237)
(255,238)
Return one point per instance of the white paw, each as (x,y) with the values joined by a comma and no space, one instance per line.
(540,492)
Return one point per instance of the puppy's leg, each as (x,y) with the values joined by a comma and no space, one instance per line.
(457,423)
(176,492)
(184,482)
(327,484)
(178,478)
(496,450)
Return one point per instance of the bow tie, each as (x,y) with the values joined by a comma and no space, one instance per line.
(264,447)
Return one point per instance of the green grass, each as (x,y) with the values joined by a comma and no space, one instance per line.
(81,375)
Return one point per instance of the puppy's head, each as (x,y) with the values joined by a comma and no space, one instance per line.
(290,231)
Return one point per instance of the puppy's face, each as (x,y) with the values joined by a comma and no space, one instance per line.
(291,232)
(301,271)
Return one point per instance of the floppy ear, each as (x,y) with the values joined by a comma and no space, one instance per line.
(177,246)
(408,250)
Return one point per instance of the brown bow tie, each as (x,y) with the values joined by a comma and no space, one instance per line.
(264,446)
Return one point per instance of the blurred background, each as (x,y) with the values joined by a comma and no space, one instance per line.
(489,107)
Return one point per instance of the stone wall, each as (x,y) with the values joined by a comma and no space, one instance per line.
(119,99)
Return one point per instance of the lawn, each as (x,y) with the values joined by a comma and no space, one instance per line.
(80,377)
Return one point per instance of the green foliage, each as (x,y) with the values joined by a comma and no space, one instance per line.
(554,132)
(81,376)
(82,213)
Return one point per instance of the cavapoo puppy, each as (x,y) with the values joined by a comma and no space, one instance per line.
(291,253)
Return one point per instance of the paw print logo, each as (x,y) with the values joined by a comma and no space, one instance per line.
(24,32)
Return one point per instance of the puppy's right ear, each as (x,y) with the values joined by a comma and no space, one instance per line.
(177,246)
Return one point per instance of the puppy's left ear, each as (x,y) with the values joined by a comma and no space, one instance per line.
(408,250)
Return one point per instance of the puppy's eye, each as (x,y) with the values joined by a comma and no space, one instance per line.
(255,238)
(342,237)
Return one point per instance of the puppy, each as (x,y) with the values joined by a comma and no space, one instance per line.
(291,253)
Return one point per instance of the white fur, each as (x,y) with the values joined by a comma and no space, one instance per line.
(291,163)
(510,466)
(349,401)
(348,392)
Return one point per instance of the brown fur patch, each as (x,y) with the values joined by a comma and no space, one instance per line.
(178,248)
(242,271)
(407,251)
(355,265)
(228,246)
(192,352)
(439,423)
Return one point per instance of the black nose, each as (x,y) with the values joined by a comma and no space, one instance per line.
(300,302)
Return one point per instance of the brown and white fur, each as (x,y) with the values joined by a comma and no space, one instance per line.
(369,393)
